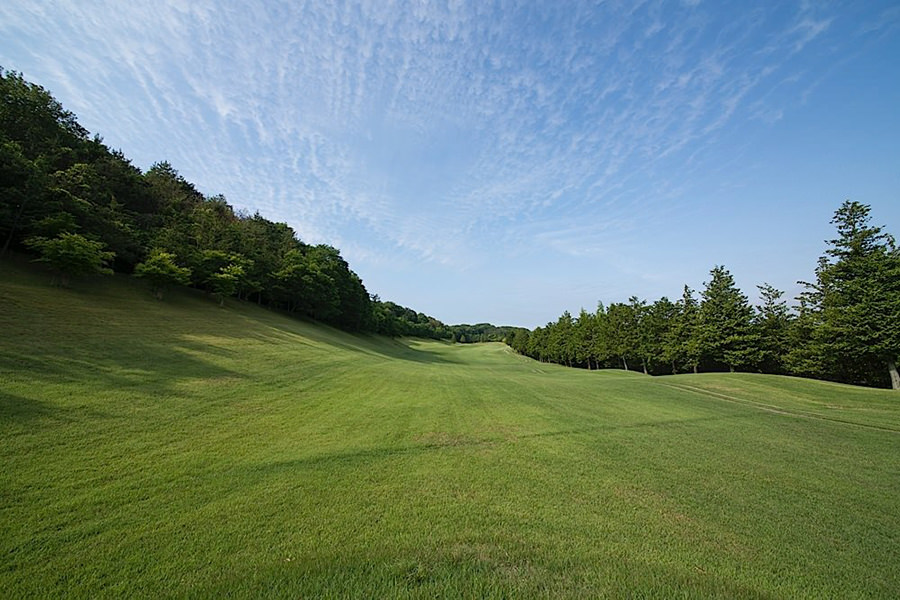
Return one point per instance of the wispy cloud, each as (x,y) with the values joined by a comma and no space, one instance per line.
(437,132)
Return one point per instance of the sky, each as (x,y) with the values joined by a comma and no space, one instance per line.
(495,160)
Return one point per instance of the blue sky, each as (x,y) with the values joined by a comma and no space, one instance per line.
(496,160)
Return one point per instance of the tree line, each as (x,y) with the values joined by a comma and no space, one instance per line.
(845,327)
(83,208)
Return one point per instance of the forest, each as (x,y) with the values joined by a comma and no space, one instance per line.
(83,208)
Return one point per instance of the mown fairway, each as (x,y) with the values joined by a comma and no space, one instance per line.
(161,449)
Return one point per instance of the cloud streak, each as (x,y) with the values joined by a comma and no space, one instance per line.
(440,133)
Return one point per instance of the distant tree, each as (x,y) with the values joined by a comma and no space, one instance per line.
(585,333)
(658,324)
(772,322)
(689,332)
(622,329)
(855,301)
(601,348)
(639,332)
(561,340)
(161,270)
(71,255)
(520,341)
(537,344)
(725,326)
(225,281)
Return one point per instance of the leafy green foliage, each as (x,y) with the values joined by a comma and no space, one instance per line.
(161,270)
(72,255)
(225,281)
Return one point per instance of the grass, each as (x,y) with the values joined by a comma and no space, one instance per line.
(175,449)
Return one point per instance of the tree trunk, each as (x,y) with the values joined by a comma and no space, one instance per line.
(624,363)
(695,369)
(895,377)
(644,364)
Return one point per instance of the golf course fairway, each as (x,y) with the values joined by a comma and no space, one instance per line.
(177,449)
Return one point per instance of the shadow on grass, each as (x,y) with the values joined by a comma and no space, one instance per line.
(365,454)
(19,409)
(360,455)
(628,426)
(102,317)
(151,367)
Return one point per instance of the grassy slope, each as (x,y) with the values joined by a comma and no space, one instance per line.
(178,449)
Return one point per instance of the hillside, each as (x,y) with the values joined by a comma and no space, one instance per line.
(178,449)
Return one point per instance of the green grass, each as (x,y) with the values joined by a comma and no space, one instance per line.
(175,449)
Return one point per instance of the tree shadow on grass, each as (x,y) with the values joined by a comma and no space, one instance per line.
(20,409)
(155,368)
(398,350)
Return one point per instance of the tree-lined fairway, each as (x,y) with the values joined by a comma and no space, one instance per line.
(178,449)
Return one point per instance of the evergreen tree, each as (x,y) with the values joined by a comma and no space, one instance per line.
(585,333)
(659,323)
(772,323)
(725,328)
(622,331)
(857,298)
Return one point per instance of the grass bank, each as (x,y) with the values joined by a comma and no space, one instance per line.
(173,449)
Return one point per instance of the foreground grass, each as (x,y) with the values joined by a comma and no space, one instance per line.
(175,449)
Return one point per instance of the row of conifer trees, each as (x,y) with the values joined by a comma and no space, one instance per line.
(844,327)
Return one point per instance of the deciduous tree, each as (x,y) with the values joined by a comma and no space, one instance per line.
(72,255)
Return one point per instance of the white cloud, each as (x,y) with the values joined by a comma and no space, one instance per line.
(436,131)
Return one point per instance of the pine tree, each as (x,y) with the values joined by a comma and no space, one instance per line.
(725,329)
(857,300)
(772,323)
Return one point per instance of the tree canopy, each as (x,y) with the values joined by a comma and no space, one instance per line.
(846,326)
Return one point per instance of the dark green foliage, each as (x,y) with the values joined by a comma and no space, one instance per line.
(72,255)
(726,319)
(846,327)
(772,324)
(391,319)
(37,123)
(56,182)
(484,332)
(851,314)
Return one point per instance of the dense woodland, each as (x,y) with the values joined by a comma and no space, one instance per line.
(83,209)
